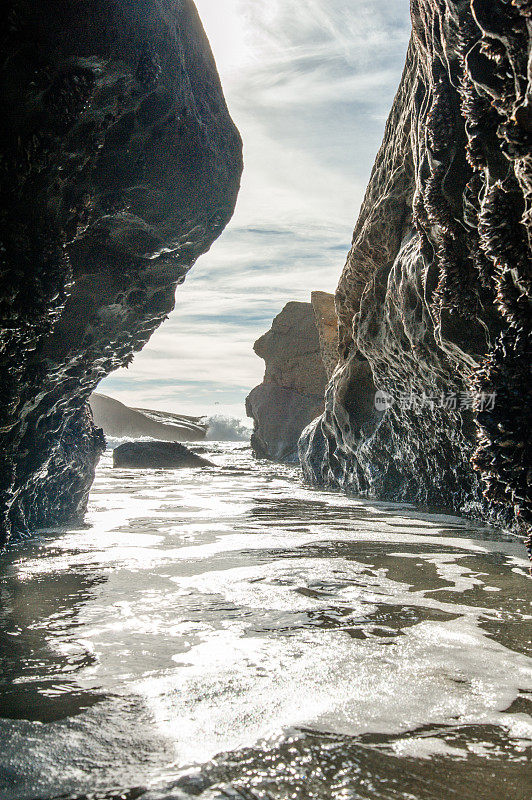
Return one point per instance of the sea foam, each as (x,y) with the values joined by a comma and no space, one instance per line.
(227,429)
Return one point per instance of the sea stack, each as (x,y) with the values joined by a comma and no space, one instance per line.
(434,300)
(295,350)
(120,166)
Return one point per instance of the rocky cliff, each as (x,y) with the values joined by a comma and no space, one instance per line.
(119,420)
(119,166)
(295,350)
(434,300)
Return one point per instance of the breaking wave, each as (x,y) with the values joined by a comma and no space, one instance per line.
(227,429)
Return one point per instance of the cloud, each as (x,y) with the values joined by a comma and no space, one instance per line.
(309,85)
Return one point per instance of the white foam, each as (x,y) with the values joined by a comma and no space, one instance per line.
(227,429)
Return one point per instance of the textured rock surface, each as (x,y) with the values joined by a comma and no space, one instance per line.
(291,394)
(327,324)
(119,166)
(434,300)
(117,419)
(291,351)
(156,455)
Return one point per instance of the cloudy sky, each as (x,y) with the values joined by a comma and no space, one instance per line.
(309,84)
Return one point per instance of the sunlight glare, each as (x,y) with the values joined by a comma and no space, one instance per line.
(225,25)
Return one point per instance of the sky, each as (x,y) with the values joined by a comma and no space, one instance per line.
(309,84)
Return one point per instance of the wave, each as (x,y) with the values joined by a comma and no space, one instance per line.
(227,429)
(219,429)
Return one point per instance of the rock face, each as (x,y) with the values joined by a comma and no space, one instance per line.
(156,455)
(280,415)
(327,324)
(119,166)
(434,300)
(291,394)
(117,419)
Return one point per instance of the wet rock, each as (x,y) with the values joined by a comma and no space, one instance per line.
(119,166)
(434,300)
(291,394)
(156,455)
(75,458)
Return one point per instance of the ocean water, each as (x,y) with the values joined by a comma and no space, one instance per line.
(231,633)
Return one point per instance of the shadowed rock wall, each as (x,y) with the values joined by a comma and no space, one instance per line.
(119,166)
(434,300)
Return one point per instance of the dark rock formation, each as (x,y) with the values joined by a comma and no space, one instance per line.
(156,455)
(434,300)
(117,419)
(67,485)
(291,394)
(119,166)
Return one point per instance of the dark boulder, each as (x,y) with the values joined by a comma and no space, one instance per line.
(119,166)
(156,455)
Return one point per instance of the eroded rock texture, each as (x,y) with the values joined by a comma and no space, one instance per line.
(291,394)
(119,166)
(434,300)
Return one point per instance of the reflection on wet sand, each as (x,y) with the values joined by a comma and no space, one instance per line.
(232,634)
